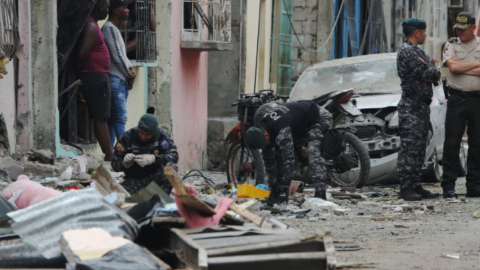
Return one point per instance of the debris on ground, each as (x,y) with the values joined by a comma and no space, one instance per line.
(205,216)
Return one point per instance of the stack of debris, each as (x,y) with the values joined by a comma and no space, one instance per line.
(99,225)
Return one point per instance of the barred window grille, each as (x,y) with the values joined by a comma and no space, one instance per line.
(9,28)
(207,20)
(140,28)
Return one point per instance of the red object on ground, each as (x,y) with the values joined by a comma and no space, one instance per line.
(195,220)
(74,187)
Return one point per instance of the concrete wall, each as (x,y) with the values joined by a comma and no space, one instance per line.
(160,92)
(190,97)
(24,76)
(224,72)
(136,103)
(257,71)
(44,73)
(305,15)
(324,27)
(7,105)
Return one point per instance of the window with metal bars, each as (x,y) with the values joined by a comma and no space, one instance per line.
(9,28)
(140,31)
(207,22)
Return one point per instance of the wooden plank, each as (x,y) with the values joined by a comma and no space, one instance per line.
(188,200)
(260,222)
(175,180)
(175,221)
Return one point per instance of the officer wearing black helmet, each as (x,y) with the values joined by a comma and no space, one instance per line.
(417,73)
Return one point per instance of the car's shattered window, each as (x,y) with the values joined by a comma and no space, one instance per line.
(378,76)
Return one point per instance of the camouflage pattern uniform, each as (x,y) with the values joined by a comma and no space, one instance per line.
(414,69)
(136,177)
(286,135)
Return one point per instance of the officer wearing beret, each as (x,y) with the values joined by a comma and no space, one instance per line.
(462,56)
(417,73)
(142,152)
(275,131)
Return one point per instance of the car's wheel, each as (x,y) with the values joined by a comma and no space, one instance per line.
(432,173)
(462,170)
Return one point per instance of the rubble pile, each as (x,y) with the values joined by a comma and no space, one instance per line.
(65,213)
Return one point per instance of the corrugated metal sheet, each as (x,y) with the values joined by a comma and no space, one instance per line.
(16,254)
(239,248)
(42,225)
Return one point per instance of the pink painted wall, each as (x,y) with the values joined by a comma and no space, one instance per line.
(190,96)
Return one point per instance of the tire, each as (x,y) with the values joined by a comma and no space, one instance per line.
(462,170)
(253,175)
(357,176)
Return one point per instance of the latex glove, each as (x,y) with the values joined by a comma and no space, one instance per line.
(144,160)
(129,160)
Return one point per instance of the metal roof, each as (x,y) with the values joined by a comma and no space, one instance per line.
(42,225)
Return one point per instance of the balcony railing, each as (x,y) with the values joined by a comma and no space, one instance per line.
(207,25)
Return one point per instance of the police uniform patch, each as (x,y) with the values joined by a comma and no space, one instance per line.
(446,47)
(164,144)
(119,148)
(422,60)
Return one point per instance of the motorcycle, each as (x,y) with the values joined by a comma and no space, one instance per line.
(245,165)
(350,168)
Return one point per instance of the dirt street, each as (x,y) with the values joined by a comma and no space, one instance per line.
(411,240)
(389,238)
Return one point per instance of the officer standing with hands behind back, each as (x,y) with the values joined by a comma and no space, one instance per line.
(462,56)
(417,72)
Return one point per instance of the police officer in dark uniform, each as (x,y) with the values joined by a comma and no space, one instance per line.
(417,73)
(142,153)
(462,56)
(276,132)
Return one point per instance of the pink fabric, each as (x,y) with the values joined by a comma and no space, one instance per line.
(99,57)
(32,192)
(194,220)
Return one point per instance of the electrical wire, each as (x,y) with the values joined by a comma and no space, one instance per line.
(326,41)
(199,174)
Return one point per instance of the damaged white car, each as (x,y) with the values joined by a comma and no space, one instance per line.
(377,93)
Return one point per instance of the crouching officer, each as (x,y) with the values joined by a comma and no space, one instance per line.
(275,133)
(417,72)
(142,153)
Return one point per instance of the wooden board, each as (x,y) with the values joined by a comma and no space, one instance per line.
(188,200)
(260,222)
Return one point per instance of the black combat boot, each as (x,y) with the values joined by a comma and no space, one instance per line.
(322,194)
(283,195)
(409,194)
(449,194)
(473,191)
(273,198)
(426,194)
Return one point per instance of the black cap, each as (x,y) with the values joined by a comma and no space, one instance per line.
(464,20)
(114,4)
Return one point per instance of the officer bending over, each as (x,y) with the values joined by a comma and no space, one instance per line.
(275,133)
(142,153)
